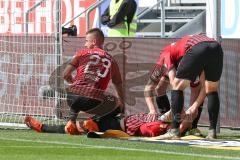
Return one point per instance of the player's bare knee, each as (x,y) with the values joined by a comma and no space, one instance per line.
(211,86)
(180,84)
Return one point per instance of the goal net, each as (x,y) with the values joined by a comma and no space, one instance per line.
(30,49)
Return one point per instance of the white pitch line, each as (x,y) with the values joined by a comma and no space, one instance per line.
(43,147)
(125,149)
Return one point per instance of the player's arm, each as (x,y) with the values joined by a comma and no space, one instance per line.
(202,93)
(162,86)
(198,95)
(72,65)
(117,83)
(172,75)
(119,90)
(67,73)
(149,93)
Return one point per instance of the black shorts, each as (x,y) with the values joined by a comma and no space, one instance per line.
(105,108)
(106,123)
(78,103)
(205,56)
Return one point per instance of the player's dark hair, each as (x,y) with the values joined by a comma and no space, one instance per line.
(98,33)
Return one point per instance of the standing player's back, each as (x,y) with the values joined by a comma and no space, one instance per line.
(94,68)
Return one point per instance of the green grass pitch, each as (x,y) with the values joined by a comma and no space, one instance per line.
(29,145)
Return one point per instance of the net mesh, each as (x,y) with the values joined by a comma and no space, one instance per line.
(29,54)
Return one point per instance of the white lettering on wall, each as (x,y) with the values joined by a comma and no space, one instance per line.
(44,18)
(4,17)
(17,16)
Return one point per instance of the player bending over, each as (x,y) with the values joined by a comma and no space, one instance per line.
(182,62)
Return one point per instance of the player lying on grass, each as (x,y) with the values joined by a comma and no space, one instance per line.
(133,125)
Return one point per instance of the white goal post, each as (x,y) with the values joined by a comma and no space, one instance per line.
(30,50)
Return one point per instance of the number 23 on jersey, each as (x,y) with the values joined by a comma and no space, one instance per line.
(95,60)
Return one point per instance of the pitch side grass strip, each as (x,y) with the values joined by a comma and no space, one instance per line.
(124,149)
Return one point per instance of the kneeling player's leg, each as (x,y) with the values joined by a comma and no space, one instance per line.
(107,108)
(72,100)
(78,103)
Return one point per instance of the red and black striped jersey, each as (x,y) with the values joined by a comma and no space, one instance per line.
(172,54)
(181,47)
(95,68)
